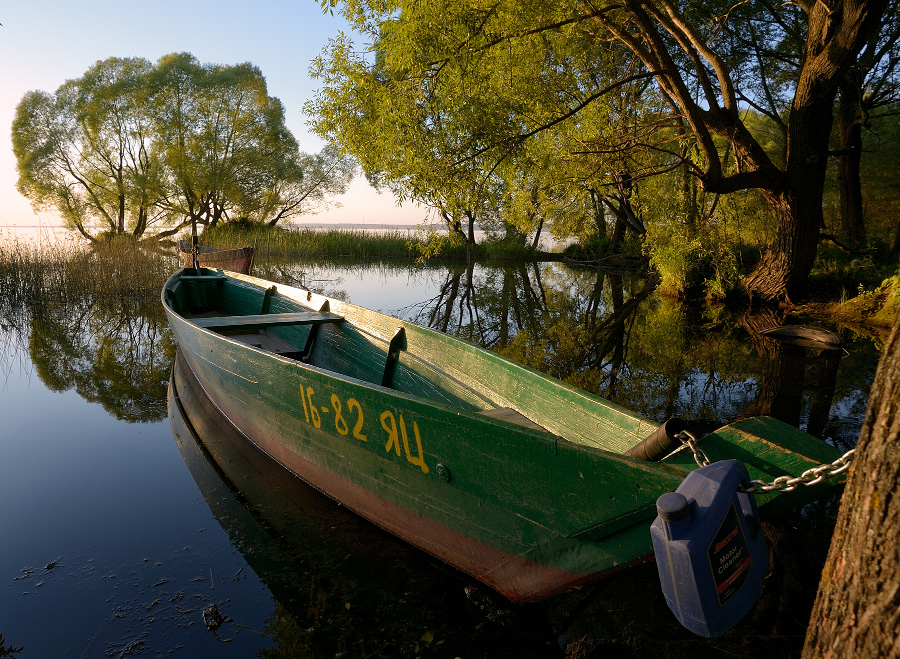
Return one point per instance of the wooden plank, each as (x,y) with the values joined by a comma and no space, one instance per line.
(510,415)
(242,323)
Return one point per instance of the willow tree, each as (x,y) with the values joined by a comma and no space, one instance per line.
(456,134)
(132,145)
(322,177)
(223,139)
(86,152)
(506,72)
(404,134)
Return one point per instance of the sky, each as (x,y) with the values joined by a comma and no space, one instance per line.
(43,43)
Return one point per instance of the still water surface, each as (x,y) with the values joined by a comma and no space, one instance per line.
(121,525)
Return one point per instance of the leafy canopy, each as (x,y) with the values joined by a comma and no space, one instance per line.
(524,102)
(133,145)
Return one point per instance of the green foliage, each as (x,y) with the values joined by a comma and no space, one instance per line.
(434,112)
(689,264)
(694,246)
(881,185)
(84,151)
(435,244)
(878,307)
(133,145)
(517,112)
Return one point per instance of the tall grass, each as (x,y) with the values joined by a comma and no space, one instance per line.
(35,273)
(279,242)
(307,242)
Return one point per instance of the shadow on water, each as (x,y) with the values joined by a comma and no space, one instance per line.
(345,588)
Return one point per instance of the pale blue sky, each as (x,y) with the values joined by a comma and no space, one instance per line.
(45,42)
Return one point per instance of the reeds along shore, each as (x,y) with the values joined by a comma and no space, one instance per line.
(36,271)
(32,272)
(351,243)
(364,244)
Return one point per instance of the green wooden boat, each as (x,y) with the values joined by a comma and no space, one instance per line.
(518,479)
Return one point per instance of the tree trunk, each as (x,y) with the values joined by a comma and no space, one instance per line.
(141,225)
(853,229)
(837,33)
(784,267)
(120,228)
(797,202)
(470,236)
(619,227)
(599,213)
(537,235)
(857,609)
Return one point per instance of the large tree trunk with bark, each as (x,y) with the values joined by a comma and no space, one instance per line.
(797,202)
(785,266)
(857,610)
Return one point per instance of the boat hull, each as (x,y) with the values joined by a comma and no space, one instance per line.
(524,510)
(515,577)
(235,260)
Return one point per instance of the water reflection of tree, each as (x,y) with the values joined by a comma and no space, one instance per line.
(604,332)
(792,373)
(572,324)
(113,352)
(486,305)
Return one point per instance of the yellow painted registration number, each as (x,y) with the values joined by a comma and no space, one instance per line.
(351,422)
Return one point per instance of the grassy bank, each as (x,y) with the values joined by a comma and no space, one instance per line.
(352,243)
(855,289)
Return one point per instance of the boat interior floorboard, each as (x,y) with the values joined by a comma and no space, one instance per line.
(265,341)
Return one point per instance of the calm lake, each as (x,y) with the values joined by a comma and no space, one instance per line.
(123,525)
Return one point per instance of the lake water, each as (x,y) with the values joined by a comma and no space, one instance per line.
(122,527)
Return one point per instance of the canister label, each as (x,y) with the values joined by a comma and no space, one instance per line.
(729,557)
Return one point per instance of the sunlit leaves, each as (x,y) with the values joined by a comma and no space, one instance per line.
(85,150)
(133,145)
(510,108)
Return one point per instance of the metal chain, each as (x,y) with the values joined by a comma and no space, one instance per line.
(812,476)
(690,441)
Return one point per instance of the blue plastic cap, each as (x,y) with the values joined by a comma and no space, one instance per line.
(672,506)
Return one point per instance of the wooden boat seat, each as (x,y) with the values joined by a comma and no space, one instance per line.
(245,323)
(212,277)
